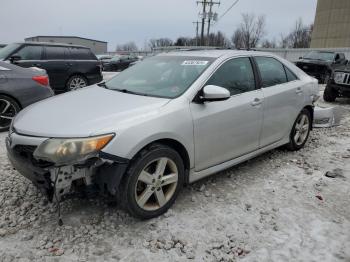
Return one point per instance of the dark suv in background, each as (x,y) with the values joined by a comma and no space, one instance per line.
(69,67)
(320,64)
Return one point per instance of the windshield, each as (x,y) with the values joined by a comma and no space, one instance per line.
(160,76)
(116,58)
(316,55)
(7,50)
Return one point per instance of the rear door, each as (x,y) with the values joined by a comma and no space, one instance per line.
(228,129)
(31,56)
(282,98)
(56,66)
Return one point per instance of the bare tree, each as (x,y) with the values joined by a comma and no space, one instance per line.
(269,43)
(185,41)
(160,42)
(250,31)
(237,39)
(299,37)
(218,39)
(129,46)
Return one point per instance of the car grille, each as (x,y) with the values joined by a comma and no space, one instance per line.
(345,80)
(27,152)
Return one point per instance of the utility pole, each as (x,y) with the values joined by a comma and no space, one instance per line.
(204,14)
(210,16)
(197,30)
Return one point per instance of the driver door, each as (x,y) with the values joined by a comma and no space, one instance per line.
(228,129)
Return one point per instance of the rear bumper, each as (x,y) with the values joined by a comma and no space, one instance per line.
(94,79)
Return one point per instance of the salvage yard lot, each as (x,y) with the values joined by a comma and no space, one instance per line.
(279,206)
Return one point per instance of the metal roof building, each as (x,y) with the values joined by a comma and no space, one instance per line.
(332,24)
(96,46)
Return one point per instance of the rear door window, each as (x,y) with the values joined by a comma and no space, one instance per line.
(55,53)
(31,52)
(81,54)
(271,71)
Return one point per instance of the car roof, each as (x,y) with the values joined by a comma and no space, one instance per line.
(214,53)
(51,44)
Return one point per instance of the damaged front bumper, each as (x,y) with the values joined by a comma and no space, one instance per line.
(102,173)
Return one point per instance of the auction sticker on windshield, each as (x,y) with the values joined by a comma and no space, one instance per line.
(194,62)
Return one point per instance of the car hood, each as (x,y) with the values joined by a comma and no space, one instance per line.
(313,62)
(90,111)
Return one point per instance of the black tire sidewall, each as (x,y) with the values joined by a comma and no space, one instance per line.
(73,77)
(16,106)
(329,94)
(292,144)
(129,200)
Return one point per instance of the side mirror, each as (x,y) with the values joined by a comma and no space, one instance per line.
(300,57)
(15,58)
(213,93)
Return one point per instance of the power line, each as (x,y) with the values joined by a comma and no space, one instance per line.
(228,10)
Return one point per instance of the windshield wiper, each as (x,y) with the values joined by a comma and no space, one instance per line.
(103,84)
(130,92)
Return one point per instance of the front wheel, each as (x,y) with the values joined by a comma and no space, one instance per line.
(8,110)
(329,94)
(152,182)
(300,131)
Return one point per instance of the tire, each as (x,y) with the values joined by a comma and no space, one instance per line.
(76,82)
(329,94)
(8,110)
(304,128)
(326,78)
(145,200)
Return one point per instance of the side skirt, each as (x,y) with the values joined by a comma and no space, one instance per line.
(195,176)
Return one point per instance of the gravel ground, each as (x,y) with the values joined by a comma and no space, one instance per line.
(280,206)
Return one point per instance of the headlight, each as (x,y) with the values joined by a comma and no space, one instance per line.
(69,151)
(338,77)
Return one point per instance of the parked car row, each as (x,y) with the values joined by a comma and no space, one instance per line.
(69,67)
(330,68)
(116,63)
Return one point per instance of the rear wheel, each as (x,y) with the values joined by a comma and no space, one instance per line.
(329,94)
(300,131)
(8,110)
(152,182)
(76,82)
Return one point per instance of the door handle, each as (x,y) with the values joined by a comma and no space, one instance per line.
(299,90)
(69,64)
(256,102)
(36,64)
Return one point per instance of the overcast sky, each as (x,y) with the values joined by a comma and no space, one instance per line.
(119,21)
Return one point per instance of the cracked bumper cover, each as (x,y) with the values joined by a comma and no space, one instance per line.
(107,176)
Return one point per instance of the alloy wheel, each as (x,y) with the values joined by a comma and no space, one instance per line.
(156,184)
(7,113)
(77,83)
(301,129)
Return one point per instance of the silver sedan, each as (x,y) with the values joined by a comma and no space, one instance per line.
(169,120)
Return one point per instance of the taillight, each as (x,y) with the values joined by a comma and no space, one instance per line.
(42,80)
